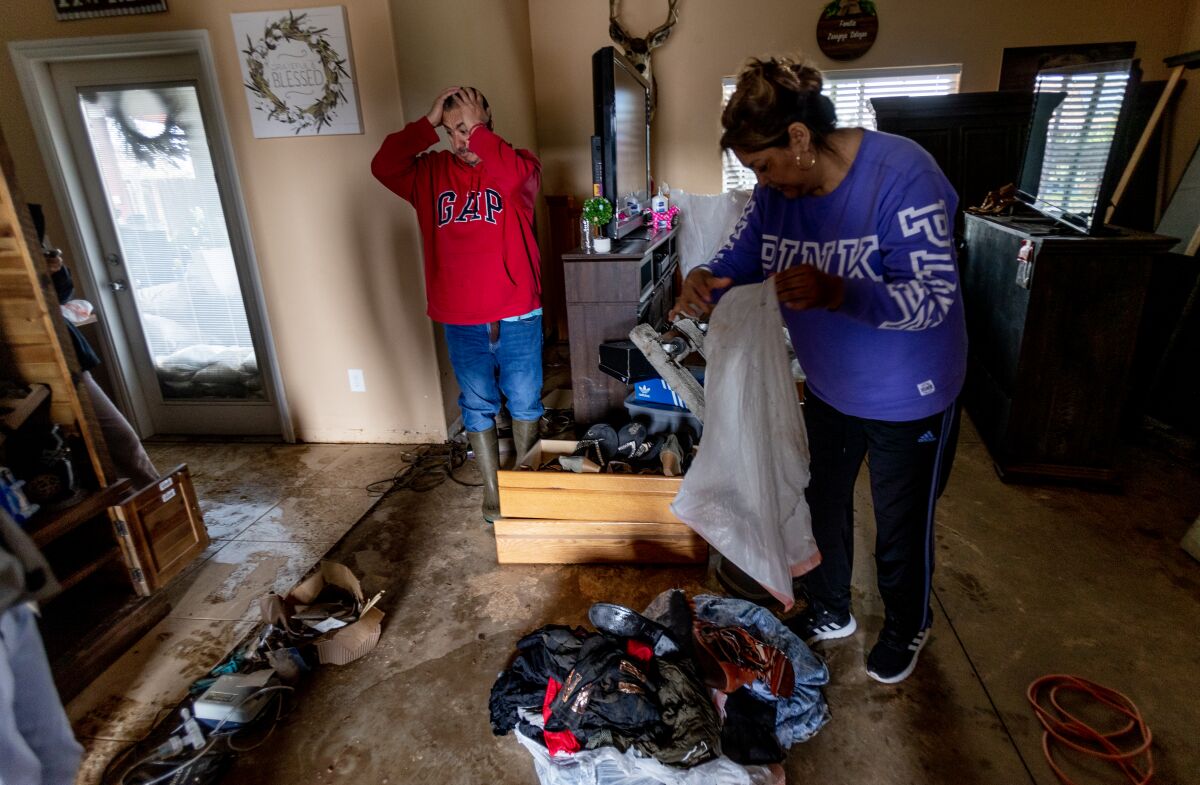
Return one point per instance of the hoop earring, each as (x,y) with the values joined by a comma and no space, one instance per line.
(811,163)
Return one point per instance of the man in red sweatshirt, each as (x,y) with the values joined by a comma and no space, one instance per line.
(482,273)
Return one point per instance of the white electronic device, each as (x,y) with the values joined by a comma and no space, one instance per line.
(232,699)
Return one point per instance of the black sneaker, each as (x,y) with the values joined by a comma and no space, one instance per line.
(819,624)
(895,654)
(631,442)
(739,584)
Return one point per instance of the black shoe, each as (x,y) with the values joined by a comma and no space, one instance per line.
(625,623)
(598,445)
(894,656)
(741,585)
(653,446)
(631,442)
(819,624)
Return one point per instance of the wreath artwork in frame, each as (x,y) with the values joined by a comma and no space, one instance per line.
(298,72)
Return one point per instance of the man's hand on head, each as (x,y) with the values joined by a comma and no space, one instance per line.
(435,113)
(473,113)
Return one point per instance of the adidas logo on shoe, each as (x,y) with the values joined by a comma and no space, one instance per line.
(894,657)
(818,624)
(926,438)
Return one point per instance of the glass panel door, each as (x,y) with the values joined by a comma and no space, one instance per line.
(173,261)
(157,175)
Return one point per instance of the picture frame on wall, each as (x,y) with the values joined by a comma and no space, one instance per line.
(297,70)
(1019,68)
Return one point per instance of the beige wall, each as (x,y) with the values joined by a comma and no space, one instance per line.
(339,256)
(479,43)
(339,259)
(713,38)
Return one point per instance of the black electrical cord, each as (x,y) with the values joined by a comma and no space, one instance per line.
(427,468)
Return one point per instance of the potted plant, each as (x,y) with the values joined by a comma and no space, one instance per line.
(597,212)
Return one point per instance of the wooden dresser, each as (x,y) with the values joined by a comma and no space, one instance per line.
(1051,343)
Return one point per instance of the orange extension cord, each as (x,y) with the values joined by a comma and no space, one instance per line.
(1064,728)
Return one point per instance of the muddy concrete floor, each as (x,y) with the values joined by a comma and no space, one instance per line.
(1029,581)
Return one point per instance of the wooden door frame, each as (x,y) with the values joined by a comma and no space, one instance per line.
(32,60)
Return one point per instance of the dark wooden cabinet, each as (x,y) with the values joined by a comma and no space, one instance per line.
(607,296)
(1050,357)
(978,139)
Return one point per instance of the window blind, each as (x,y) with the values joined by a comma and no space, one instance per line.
(851,92)
(1079,137)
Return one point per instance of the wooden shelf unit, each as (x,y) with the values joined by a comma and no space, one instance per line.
(82,540)
(47,527)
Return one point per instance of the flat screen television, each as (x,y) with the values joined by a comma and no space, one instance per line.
(1069,171)
(621,146)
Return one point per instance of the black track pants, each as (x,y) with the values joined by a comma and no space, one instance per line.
(909,463)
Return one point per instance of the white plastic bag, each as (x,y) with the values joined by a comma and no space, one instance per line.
(705,223)
(744,493)
(607,766)
(78,312)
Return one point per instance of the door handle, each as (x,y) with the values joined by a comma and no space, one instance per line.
(118,285)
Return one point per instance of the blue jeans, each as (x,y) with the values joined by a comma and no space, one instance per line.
(512,365)
(799,717)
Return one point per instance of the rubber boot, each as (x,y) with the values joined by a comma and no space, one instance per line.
(525,434)
(487,458)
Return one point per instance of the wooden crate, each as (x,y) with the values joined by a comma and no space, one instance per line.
(527,541)
(161,530)
(559,517)
(562,495)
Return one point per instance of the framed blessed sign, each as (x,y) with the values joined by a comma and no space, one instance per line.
(298,72)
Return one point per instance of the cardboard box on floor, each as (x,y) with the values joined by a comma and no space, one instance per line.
(348,643)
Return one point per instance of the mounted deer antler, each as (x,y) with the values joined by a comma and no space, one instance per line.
(637,50)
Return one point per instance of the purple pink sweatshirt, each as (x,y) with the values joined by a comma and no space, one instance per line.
(896,349)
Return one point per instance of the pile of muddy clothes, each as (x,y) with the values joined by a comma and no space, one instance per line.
(707,689)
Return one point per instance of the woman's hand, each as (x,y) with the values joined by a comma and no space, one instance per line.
(803,287)
(696,299)
(435,113)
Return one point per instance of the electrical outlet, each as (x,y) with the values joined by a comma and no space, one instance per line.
(357,382)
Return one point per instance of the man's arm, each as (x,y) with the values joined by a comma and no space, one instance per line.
(395,165)
(517,170)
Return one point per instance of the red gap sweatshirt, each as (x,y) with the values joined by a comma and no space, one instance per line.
(481,256)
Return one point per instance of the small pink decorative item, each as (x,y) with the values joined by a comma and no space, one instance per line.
(664,220)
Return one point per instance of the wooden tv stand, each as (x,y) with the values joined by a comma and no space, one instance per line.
(607,296)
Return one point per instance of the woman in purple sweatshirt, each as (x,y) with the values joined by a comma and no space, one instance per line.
(857,228)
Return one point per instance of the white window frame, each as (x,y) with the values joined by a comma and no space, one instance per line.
(851,91)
